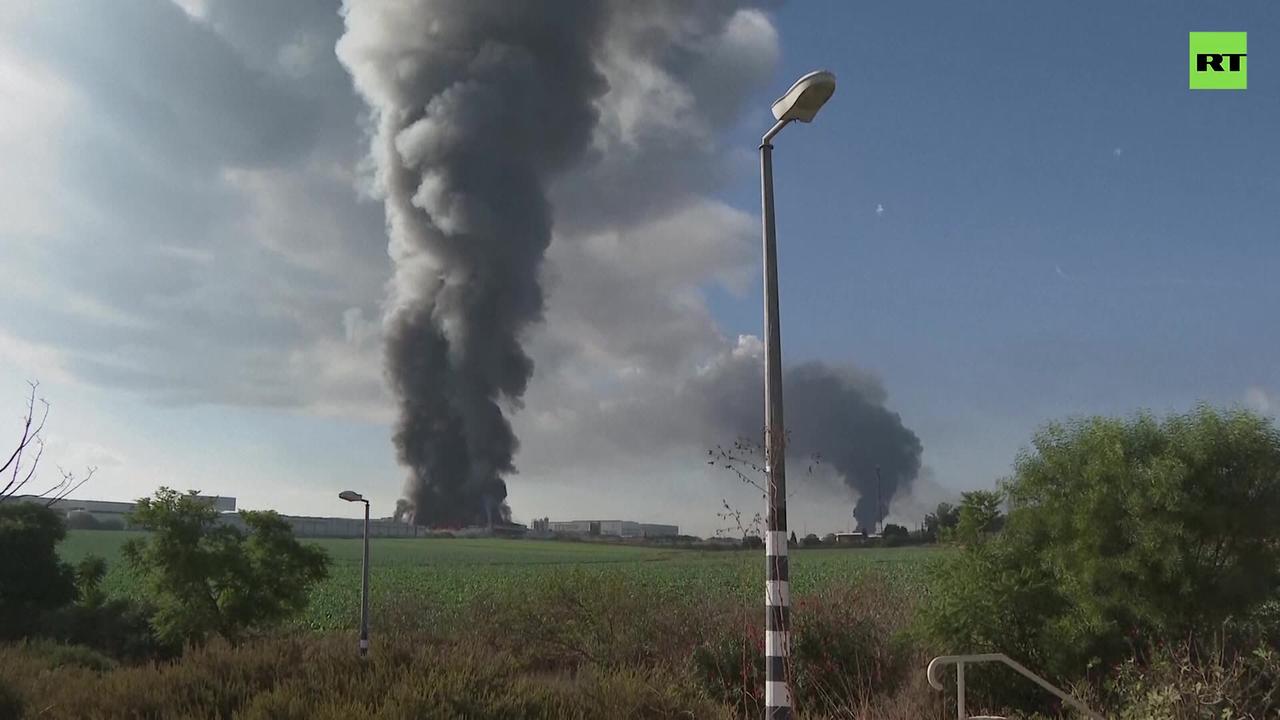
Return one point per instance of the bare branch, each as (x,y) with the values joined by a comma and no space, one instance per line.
(55,489)
(20,472)
(31,470)
(14,465)
(746,460)
(69,479)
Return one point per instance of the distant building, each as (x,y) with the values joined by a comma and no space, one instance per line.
(108,510)
(851,538)
(339,527)
(611,528)
(501,529)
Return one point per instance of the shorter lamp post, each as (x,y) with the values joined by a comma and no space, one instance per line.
(353,496)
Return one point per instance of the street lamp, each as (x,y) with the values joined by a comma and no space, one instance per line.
(353,496)
(801,102)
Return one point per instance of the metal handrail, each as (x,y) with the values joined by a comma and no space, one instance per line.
(936,664)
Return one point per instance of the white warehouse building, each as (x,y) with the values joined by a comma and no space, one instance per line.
(338,527)
(613,528)
(110,510)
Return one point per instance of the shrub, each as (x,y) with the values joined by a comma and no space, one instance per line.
(53,655)
(12,704)
(80,520)
(1197,680)
(211,578)
(118,627)
(310,677)
(979,515)
(731,669)
(847,644)
(32,578)
(1119,531)
(846,648)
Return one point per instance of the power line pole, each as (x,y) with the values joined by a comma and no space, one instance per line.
(879,503)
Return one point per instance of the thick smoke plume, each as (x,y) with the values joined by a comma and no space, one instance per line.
(842,418)
(838,414)
(477,104)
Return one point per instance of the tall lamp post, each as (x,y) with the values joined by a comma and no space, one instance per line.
(353,496)
(801,102)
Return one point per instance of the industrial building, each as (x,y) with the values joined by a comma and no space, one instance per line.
(111,511)
(611,528)
(336,527)
(116,513)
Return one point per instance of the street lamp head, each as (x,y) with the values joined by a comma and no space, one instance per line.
(351,496)
(803,100)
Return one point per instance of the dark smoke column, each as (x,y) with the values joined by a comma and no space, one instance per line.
(477,103)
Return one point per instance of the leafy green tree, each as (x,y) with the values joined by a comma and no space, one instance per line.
(208,577)
(89,574)
(898,531)
(938,522)
(1120,532)
(80,520)
(895,535)
(33,579)
(979,515)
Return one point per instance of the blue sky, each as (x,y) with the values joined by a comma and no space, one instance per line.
(1066,228)
(1009,213)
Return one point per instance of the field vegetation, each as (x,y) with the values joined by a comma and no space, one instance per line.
(1135,561)
(423,577)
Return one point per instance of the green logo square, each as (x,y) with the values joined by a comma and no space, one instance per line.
(1218,61)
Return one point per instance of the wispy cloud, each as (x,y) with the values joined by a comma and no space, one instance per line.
(1257,398)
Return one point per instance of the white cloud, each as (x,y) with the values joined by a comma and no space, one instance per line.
(197,9)
(34,104)
(32,360)
(75,457)
(1258,399)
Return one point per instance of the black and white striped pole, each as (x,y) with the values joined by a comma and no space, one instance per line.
(801,102)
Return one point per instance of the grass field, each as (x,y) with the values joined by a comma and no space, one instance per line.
(410,575)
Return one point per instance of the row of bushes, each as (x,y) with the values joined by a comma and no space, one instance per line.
(609,648)
(1138,564)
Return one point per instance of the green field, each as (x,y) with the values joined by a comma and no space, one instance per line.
(410,575)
